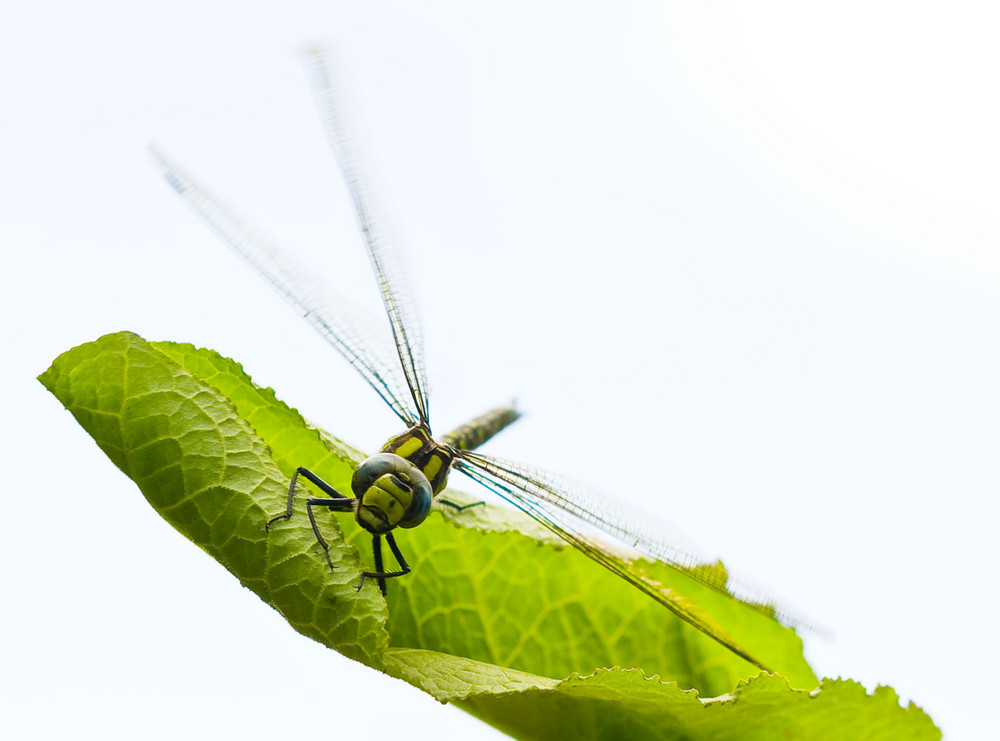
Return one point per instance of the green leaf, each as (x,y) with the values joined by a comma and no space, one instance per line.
(496,617)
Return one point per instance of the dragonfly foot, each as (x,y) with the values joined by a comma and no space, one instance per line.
(267,525)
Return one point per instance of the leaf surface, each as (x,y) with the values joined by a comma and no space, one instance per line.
(496,616)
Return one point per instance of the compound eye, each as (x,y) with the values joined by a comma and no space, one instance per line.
(420,504)
(377,466)
(393,491)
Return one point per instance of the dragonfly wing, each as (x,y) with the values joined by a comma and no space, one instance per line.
(398,305)
(523,489)
(344,326)
(581,517)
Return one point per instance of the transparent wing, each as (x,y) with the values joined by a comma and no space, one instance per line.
(345,327)
(398,305)
(582,517)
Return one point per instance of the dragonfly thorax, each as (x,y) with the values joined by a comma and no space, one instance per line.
(391,492)
(418,447)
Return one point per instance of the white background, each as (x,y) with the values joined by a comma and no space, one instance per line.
(736,262)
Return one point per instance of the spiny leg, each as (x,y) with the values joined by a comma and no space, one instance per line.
(336,502)
(379,568)
(460,507)
(379,574)
(335,505)
(325,487)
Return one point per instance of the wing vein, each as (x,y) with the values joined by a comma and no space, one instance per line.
(398,306)
(343,326)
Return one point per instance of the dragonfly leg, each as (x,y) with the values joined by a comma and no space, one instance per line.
(460,507)
(325,487)
(336,505)
(379,574)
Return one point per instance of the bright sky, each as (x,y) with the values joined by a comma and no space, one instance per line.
(751,248)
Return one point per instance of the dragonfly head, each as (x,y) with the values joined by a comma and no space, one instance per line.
(391,492)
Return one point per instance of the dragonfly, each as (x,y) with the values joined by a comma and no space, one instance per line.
(395,488)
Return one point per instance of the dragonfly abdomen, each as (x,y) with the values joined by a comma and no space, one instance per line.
(473,434)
